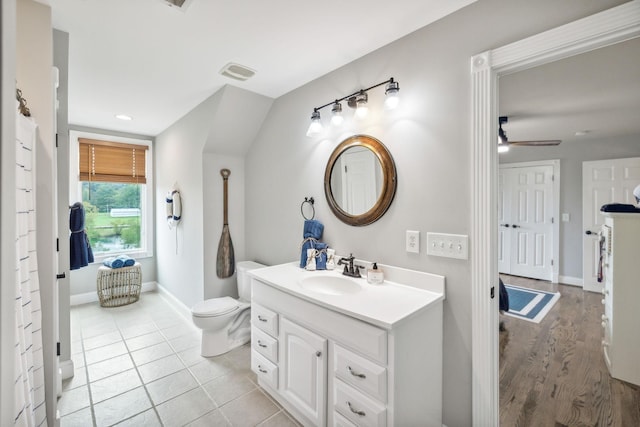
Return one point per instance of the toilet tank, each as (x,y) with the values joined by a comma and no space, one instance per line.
(244,281)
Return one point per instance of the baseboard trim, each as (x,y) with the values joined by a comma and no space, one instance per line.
(573,281)
(88,297)
(178,305)
(66,369)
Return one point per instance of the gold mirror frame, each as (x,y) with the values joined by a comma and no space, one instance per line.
(389,180)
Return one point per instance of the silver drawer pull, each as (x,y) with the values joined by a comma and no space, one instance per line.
(355,374)
(355,411)
(262,319)
(262,345)
(261,370)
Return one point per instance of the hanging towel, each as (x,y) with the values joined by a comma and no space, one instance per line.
(312,232)
(127,260)
(80,251)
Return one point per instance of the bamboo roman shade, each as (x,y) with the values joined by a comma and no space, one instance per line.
(107,161)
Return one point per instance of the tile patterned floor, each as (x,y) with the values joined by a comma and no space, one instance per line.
(140,365)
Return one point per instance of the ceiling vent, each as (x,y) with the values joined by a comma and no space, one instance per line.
(237,71)
(181,5)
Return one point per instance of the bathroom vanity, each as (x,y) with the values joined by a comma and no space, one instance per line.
(337,351)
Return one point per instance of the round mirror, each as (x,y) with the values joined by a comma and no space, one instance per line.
(360,180)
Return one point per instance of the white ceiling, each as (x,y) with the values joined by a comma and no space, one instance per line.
(155,63)
(597,92)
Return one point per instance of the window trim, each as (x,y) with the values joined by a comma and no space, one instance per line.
(147,228)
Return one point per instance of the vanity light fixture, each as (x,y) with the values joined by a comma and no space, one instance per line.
(336,114)
(316,125)
(359,101)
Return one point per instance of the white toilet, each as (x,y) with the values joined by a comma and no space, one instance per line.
(225,321)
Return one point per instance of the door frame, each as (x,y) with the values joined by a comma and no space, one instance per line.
(602,29)
(555,245)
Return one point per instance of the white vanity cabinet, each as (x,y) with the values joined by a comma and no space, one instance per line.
(339,368)
(621,323)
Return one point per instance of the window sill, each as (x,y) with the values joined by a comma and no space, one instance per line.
(98,259)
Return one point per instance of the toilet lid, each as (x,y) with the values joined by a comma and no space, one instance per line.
(215,307)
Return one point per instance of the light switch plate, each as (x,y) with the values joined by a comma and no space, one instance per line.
(448,245)
(413,241)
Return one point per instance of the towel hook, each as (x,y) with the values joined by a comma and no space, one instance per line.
(310,201)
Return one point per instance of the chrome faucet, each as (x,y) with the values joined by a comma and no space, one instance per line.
(349,269)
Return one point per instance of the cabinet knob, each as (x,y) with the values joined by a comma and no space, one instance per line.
(604,317)
(265,346)
(604,324)
(262,319)
(318,353)
(261,369)
(603,301)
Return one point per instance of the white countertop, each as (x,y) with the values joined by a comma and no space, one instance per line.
(382,305)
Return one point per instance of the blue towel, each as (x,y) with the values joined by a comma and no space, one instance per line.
(312,232)
(128,261)
(113,262)
(80,251)
(321,259)
(313,228)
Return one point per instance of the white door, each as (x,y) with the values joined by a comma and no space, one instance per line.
(526,221)
(359,178)
(603,181)
(303,369)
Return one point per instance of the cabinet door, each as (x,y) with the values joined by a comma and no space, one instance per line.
(303,370)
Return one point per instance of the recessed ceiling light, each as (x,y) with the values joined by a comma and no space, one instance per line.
(582,132)
(124,117)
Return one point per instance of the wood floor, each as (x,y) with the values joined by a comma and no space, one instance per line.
(553,373)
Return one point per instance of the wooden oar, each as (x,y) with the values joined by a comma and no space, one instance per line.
(226,262)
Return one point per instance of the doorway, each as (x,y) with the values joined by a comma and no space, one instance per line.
(611,26)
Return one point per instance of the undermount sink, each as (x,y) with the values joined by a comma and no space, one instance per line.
(330,285)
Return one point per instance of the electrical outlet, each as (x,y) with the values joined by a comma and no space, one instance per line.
(448,245)
(413,241)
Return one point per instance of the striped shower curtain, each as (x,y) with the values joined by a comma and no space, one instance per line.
(30,408)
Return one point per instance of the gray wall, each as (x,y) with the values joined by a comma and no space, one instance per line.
(571,156)
(428,135)
(190,154)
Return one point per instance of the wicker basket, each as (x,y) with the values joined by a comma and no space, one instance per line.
(119,286)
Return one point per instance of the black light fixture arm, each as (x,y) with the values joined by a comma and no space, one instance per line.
(391,80)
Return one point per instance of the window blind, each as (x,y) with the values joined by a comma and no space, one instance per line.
(107,161)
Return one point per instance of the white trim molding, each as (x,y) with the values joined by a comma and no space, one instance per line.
(602,29)
(178,305)
(568,280)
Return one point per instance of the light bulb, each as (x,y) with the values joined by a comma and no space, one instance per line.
(336,114)
(361,104)
(316,125)
(393,96)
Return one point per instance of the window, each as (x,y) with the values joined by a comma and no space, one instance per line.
(113,181)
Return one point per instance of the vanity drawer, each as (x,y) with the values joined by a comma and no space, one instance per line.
(340,421)
(264,344)
(360,372)
(264,369)
(358,408)
(264,319)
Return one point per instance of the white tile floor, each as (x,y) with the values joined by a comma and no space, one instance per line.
(140,365)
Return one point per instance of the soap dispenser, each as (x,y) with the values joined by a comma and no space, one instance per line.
(375,276)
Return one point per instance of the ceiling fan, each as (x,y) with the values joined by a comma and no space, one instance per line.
(504,143)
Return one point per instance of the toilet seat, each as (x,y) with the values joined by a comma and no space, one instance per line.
(215,307)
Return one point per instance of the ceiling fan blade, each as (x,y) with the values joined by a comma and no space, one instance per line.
(536,143)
